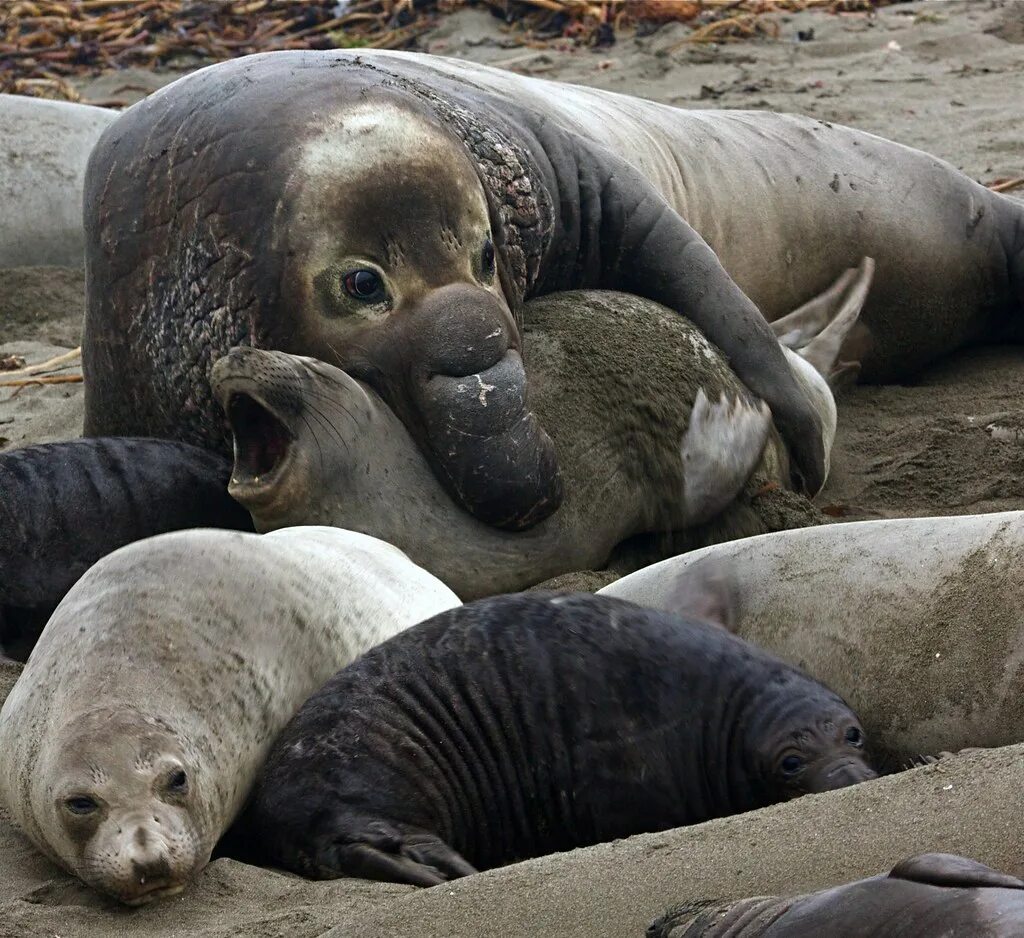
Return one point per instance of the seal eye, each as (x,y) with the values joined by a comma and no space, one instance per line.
(177,784)
(363,285)
(80,805)
(791,765)
(854,736)
(487,257)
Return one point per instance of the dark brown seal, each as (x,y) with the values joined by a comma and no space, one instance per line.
(927,896)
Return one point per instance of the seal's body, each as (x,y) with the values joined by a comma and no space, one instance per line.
(915,621)
(389,212)
(63,506)
(923,897)
(134,733)
(654,435)
(533,723)
(44,146)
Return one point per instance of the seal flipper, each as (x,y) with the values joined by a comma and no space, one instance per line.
(947,869)
(385,854)
(824,348)
(633,240)
(707,590)
(722,445)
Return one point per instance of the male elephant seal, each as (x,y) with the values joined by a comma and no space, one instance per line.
(653,432)
(388,212)
(134,734)
(926,896)
(528,724)
(63,506)
(915,621)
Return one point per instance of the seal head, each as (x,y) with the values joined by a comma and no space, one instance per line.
(397,280)
(119,807)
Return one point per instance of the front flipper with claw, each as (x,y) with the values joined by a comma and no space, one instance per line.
(382,852)
(721,447)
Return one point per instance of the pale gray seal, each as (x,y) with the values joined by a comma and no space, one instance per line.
(915,621)
(131,739)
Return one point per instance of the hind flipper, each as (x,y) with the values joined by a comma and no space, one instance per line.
(797,328)
(823,350)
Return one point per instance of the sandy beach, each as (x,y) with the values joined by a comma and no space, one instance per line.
(947,77)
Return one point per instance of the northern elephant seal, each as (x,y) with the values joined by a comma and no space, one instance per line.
(654,434)
(922,897)
(134,733)
(44,147)
(915,621)
(388,212)
(63,506)
(527,724)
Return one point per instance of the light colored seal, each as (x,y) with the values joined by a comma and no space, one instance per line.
(916,622)
(653,432)
(44,146)
(388,213)
(136,730)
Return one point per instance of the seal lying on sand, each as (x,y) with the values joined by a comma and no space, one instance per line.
(653,433)
(528,724)
(923,897)
(388,212)
(916,622)
(63,506)
(133,735)
(44,146)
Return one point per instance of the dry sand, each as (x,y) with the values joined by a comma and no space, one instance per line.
(946,444)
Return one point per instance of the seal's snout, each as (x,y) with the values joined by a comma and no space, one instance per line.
(843,773)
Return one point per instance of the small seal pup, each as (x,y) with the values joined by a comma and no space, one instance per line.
(528,724)
(134,734)
(63,506)
(653,432)
(923,897)
(388,213)
(915,621)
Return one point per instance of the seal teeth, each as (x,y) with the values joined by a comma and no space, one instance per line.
(261,439)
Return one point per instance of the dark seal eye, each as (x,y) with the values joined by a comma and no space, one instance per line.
(854,736)
(364,285)
(487,257)
(81,805)
(177,784)
(791,765)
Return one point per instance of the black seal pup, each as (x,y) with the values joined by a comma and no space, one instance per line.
(63,506)
(526,724)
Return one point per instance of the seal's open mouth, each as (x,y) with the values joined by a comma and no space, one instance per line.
(262,445)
